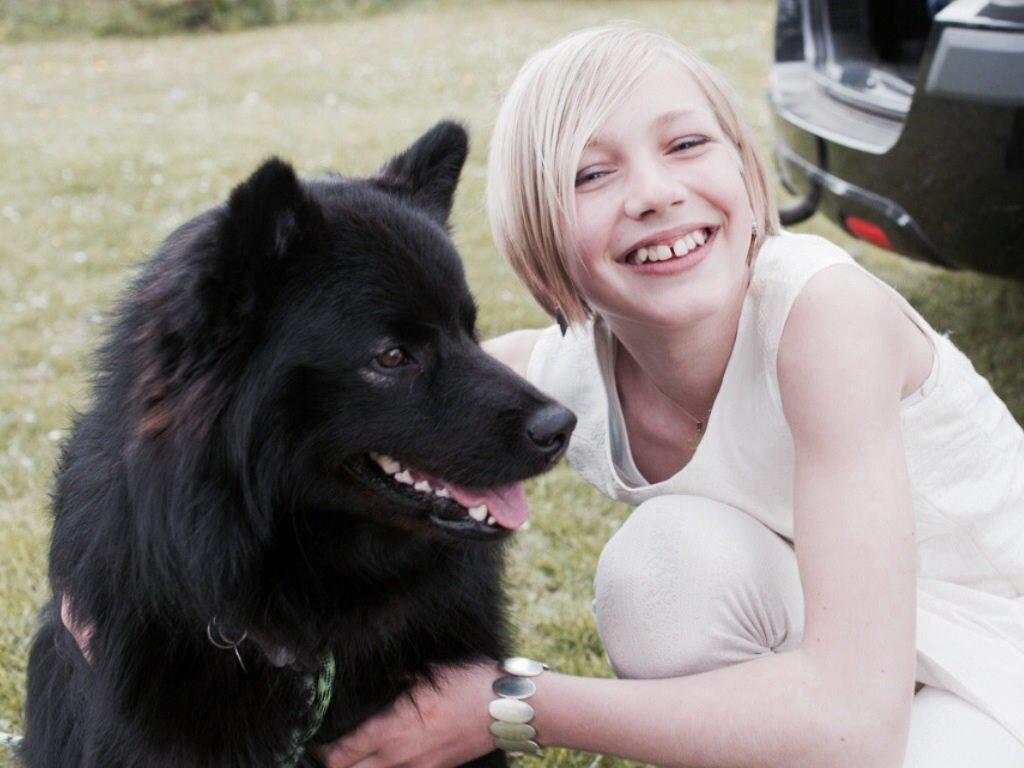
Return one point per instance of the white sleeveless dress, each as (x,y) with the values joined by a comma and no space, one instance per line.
(965,457)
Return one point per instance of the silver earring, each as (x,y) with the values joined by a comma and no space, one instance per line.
(753,230)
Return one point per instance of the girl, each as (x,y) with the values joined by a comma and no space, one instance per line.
(825,566)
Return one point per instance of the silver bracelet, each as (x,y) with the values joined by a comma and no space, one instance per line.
(511,728)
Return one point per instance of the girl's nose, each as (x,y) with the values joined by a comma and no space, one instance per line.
(651,190)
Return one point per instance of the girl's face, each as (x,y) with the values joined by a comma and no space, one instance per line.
(663,218)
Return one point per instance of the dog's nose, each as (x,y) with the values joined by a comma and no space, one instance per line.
(549,429)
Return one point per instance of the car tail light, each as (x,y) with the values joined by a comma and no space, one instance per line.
(867,231)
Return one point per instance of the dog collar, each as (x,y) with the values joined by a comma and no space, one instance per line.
(319,687)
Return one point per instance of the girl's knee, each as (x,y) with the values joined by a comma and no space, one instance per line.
(689,584)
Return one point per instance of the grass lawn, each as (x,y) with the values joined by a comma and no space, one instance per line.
(108,145)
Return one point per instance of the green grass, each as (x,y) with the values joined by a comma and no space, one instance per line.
(66,19)
(109,144)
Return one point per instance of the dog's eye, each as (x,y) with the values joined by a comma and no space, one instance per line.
(393,358)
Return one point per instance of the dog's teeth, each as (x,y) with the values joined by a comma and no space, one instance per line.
(490,520)
(389,465)
(444,493)
(422,485)
(404,477)
(478,513)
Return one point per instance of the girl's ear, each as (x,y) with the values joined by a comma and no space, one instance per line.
(428,171)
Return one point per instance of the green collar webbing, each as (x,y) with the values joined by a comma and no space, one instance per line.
(319,686)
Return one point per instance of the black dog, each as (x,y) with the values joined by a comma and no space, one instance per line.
(291,483)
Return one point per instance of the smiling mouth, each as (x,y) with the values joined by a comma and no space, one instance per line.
(679,248)
(479,513)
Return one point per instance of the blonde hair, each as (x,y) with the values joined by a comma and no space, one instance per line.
(558,101)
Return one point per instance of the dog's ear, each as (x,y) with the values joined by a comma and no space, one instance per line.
(267,212)
(428,171)
(268,217)
(203,301)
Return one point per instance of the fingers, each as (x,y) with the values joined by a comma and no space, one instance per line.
(369,746)
(373,761)
(426,727)
(358,746)
(81,633)
(341,755)
(331,757)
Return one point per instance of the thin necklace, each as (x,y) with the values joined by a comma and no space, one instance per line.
(701,423)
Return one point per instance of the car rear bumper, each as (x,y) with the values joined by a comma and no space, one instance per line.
(941,179)
(848,204)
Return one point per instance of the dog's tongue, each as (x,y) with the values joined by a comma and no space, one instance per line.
(506,502)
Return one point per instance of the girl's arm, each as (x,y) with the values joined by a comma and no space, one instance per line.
(843,697)
(513,349)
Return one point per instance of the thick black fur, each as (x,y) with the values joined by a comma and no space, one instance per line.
(221,472)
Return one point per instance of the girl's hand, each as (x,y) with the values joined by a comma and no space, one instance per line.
(436,728)
(81,631)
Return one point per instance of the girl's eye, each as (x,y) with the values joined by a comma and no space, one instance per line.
(689,143)
(393,358)
(586,176)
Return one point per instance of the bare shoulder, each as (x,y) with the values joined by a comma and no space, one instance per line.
(843,350)
(514,348)
(843,300)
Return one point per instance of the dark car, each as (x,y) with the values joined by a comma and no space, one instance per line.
(903,121)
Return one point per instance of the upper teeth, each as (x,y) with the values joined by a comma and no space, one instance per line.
(394,468)
(680,247)
(388,464)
